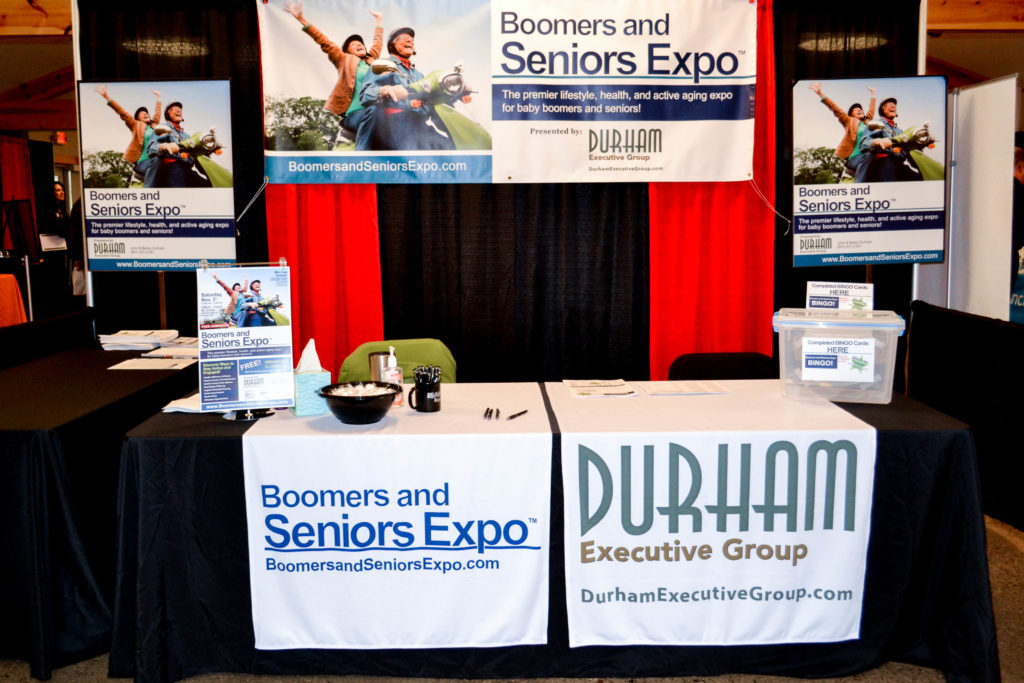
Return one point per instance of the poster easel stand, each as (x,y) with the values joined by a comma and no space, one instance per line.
(249,414)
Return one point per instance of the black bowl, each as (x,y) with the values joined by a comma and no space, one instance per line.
(359,410)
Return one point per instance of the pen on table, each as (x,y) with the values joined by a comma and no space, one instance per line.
(515,415)
(497,413)
(487,413)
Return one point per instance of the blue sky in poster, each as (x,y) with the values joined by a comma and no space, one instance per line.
(205,104)
(447,32)
(919,99)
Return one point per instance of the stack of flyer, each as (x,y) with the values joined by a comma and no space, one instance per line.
(182,347)
(137,340)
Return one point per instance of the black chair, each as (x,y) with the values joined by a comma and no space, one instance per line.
(726,365)
(971,367)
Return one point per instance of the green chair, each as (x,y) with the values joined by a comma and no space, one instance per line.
(411,353)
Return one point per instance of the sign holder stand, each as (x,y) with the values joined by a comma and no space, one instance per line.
(249,414)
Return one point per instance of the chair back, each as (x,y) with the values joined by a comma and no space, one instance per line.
(410,353)
(971,367)
(725,365)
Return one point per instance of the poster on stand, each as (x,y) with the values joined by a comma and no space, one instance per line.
(157,185)
(479,91)
(245,338)
(869,171)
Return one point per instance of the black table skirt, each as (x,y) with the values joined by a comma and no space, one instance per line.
(183,599)
(61,432)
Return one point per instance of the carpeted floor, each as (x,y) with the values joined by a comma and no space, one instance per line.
(1006,572)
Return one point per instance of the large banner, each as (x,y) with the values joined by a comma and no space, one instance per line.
(360,537)
(869,171)
(715,538)
(469,91)
(156,174)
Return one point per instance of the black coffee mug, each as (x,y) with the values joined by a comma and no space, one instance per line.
(425,397)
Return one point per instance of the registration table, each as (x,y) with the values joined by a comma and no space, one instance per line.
(61,429)
(184,605)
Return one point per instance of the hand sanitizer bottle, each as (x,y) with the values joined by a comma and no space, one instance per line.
(393,374)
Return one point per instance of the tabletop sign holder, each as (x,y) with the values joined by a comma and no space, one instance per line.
(222,330)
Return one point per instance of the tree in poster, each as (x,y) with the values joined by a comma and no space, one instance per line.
(299,123)
(816,166)
(106,169)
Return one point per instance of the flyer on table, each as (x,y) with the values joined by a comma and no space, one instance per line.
(245,338)
(708,538)
(869,171)
(501,91)
(156,174)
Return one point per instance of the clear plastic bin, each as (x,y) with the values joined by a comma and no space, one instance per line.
(846,356)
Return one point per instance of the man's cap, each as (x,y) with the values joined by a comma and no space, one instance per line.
(169,106)
(886,101)
(350,39)
(397,32)
(136,115)
(855,105)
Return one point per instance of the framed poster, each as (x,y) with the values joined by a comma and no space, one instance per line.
(156,174)
(245,338)
(869,171)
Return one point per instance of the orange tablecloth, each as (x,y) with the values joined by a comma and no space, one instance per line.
(12,309)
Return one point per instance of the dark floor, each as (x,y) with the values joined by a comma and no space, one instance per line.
(1006,572)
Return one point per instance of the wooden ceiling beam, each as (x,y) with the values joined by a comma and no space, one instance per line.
(956,76)
(51,85)
(38,115)
(975,15)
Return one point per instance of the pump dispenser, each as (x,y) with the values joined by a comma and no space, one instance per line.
(393,374)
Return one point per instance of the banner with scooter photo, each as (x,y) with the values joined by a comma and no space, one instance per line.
(869,171)
(156,174)
(481,91)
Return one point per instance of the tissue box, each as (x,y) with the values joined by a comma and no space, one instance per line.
(307,401)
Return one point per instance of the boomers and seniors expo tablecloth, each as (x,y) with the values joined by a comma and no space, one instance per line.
(422,530)
(723,519)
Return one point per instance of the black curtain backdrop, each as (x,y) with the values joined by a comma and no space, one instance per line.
(817,41)
(522,282)
(190,39)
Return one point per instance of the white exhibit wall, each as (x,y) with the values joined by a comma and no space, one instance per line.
(975,277)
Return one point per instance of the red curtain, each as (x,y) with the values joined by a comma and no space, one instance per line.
(328,234)
(15,175)
(712,246)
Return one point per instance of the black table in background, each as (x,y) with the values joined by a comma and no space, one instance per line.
(63,421)
(184,604)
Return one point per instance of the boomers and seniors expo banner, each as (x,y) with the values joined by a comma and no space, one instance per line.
(502,91)
(869,171)
(366,537)
(157,174)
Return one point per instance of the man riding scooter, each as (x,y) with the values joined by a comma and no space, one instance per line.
(884,163)
(393,123)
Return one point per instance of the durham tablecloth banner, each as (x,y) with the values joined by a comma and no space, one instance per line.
(422,530)
(520,91)
(727,519)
